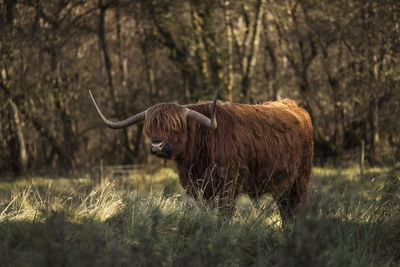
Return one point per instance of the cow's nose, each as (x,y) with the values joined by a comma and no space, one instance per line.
(157,146)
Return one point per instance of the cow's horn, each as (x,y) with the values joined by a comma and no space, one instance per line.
(118,124)
(211,123)
(213,112)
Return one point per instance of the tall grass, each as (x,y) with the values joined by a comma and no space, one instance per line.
(150,222)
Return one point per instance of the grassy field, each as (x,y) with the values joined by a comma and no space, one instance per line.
(146,220)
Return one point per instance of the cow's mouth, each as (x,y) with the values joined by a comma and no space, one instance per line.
(163,155)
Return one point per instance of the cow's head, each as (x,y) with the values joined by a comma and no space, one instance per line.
(165,126)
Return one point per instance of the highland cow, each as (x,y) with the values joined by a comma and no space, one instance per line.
(250,149)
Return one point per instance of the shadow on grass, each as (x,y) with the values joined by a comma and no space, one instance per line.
(57,242)
(345,223)
(198,239)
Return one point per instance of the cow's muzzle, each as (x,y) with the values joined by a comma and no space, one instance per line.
(160,149)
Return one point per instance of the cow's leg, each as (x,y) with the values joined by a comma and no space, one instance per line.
(286,205)
(255,199)
(209,200)
(282,201)
(227,197)
(227,203)
(288,201)
(305,174)
(202,190)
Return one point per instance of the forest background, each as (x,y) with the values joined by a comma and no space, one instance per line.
(338,59)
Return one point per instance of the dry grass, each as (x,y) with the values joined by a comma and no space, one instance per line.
(146,220)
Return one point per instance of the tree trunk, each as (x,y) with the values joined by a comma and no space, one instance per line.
(201,53)
(149,70)
(178,55)
(23,156)
(103,47)
(374,111)
(250,60)
(228,32)
(121,60)
(271,72)
(9,10)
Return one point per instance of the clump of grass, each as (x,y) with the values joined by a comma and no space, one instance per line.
(347,221)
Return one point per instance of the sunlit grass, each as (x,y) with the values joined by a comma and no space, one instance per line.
(145,219)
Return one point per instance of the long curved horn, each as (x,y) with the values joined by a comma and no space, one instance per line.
(118,124)
(211,123)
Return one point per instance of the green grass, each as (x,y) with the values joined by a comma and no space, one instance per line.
(146,220)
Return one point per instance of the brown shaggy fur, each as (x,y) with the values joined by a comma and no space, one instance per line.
(255,149)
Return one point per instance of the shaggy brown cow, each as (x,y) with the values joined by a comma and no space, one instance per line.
(255,149)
